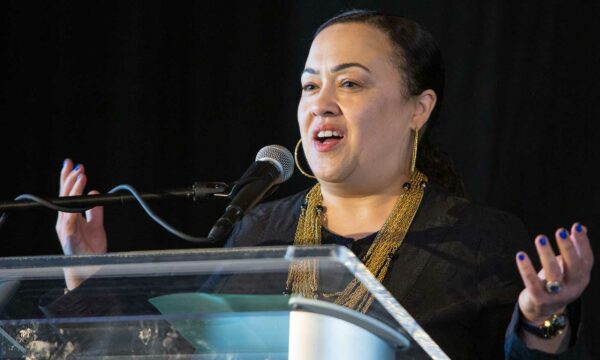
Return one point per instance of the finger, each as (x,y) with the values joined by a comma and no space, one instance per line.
(528,274)
(66,169)
(95,216)
(79,185)
(65,173)
(568,252)
(67,223)
(561,263)
(71,179)
(547,258)
(582,242)
(68,176)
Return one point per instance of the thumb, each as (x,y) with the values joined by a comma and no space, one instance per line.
(95,216)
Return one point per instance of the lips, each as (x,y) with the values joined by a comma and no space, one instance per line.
(327,137)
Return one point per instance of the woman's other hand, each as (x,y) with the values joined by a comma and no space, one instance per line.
(571,269)
(78,234)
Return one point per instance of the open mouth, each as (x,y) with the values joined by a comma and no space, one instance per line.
(326,136)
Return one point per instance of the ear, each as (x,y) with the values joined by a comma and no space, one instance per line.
(424,104)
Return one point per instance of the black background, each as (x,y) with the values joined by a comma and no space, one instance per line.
(161,94)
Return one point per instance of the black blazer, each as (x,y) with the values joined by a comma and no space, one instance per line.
(455,273)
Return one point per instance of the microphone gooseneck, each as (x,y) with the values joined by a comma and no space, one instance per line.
(274,164)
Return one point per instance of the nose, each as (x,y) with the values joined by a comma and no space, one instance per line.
(324,104)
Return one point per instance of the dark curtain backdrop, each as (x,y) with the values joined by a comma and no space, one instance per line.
(160,94)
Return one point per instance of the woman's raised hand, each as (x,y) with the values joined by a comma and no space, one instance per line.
(78,234)
(562,279)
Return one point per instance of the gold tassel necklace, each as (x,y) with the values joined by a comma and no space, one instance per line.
(303,277)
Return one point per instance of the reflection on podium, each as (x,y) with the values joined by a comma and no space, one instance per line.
(199,304)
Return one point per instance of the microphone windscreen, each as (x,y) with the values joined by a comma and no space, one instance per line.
(280,157)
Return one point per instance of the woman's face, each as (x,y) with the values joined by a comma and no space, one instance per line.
(354,120)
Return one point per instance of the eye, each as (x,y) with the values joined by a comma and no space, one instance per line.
(309,87)
(349,84)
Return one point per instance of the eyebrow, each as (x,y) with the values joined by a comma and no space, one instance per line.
(337,68)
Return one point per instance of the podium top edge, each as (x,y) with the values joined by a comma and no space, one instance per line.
(283,253)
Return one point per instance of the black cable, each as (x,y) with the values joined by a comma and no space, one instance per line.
(126,187)
(45,203)
(156,218)
(51,205)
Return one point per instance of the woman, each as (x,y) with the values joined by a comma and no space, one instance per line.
(369,88)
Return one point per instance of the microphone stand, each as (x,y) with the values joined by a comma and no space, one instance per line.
(198,191)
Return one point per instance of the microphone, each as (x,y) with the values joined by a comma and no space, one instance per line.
(274,164)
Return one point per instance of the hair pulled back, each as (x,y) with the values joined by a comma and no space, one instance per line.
(419,60)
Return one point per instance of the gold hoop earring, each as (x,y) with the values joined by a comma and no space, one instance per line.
(413,162)
(298,162)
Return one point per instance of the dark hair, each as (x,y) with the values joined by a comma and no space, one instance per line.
(420,62)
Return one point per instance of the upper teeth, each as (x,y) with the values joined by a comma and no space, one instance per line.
(327,133)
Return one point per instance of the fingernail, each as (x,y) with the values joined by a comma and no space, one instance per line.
(78,176)
(578,228)
(543,241)
(521,257)
(64,162)
(77,167)
(563,234)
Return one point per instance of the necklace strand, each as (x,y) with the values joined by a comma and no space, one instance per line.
(303,276)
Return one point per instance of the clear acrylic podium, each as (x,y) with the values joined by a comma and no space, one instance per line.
(199,304)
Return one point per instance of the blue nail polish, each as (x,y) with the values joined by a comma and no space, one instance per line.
(563,234)
(78,176)
(543,241)
(578,228)
(521,257)
(64,162)
(77,167)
